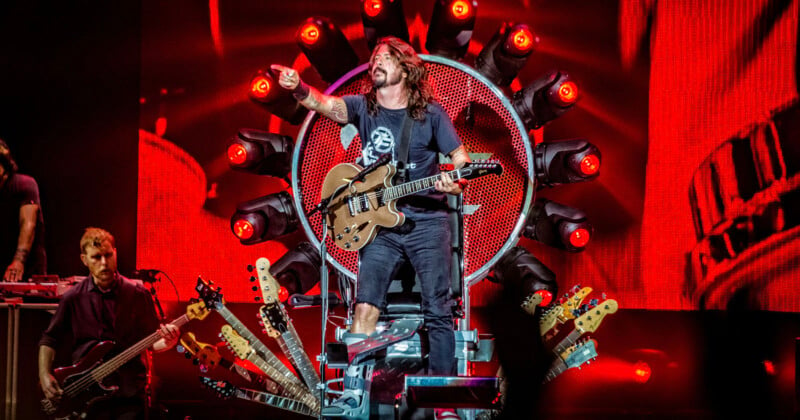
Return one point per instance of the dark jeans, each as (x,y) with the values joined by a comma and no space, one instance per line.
(427,247)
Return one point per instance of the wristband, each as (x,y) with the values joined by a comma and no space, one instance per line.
(301,91)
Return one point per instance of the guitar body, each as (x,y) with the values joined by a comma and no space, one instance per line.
(352,230)
(74,406)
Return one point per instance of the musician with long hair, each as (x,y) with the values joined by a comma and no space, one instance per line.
(397,94)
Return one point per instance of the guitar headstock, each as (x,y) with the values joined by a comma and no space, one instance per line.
(268,285)
(208,294)
(237,343)
(531,302)
(589,321)
(581,353)
(197,310)
(574,302)
(273,319)
(549,319)
(223,388)
(206,354)
(478,168)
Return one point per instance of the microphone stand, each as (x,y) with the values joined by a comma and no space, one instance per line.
(322,207)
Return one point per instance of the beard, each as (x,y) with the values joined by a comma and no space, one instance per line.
(385,81)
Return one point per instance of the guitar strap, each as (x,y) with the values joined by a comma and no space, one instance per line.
(402,150)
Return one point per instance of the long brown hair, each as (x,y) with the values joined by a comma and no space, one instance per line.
(416,81)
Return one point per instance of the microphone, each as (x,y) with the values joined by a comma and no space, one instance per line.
(382,160)
(145,275)
(299,300)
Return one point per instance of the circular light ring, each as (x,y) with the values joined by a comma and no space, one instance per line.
(578,238)
(260,86)
(520,41)
(243,229)
(498,207)
(590,164)
(237,154)
(567,93)
(547,297)
(373,8)
(461,9)
(310,33)
(283,294)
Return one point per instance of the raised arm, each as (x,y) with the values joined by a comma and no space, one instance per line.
(332,107)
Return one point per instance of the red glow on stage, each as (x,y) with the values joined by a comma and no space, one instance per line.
(590,165)
(283,294)
(769,367)
(579,238)
(461,9)
(373,7)
(260,87)
(309,34)
(161,126)
(522,40)
(547,297)
(568,93)
(237,154)
(243,229)
(641,372)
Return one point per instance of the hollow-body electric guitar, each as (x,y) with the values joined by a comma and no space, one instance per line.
(359,208)
(82,382)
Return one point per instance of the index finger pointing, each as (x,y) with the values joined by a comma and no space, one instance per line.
(279,67)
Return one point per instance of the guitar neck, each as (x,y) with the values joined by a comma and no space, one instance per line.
(274,401)
(292,387)
(558,367)
(255,343)
(290,345)
(114,363)
(567,341)
(413,187)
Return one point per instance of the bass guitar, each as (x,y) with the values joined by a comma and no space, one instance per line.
(82,382)
(358,208)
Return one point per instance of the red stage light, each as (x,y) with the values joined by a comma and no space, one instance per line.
(590,165)
(568,93)
(579,238)
(283,294)
(373,7)
(522,39)
(243,229)
(237,154)
(547,297)
(641,372)
(769,367)
(309,34)
(260,87)
(461,9)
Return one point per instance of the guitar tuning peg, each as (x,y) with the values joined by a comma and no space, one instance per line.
(576,312)
(250,267)
(252,278)
(203,368)
(258,298)
(255,288)
(594,302)
(603,295)
(187,355)
(585,307)
(575,288)
(195,361)
(180,349)
(261,323)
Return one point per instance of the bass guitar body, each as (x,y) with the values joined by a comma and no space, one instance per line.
(75,406)
(355,214)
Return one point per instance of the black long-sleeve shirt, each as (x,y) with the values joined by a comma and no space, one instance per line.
(86,315)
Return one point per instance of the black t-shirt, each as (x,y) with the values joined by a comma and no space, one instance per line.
(18,191)
(381,132)
(86,315)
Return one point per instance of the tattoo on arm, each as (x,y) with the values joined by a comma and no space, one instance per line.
(460,157)
(330,106)
(338,110)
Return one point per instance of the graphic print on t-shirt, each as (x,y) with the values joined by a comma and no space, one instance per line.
(381,141)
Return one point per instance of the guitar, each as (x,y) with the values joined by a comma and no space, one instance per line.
(549,319)
(278,371)
(279,326)
(531,302)
(225,390)
(572,303)
(82,382)
(355,214)
(207,355)
(242,349)
(588,322)
(574,357)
